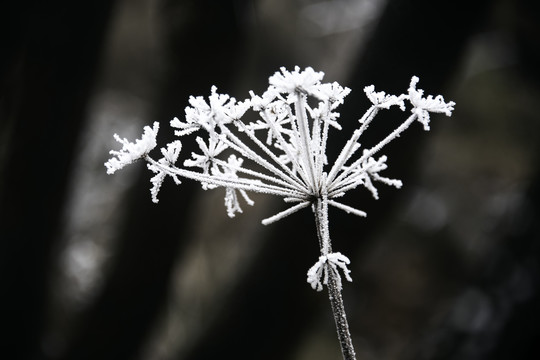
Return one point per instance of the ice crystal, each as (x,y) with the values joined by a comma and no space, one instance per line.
(282,151)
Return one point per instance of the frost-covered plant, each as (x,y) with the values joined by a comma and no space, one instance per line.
(283,153)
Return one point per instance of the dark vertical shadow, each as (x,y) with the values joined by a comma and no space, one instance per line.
(50,57)
(513,280)
(518,337)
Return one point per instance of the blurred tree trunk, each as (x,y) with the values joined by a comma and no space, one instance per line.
(202,44)
(50,58)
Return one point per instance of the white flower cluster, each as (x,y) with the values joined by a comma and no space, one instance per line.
(283,151)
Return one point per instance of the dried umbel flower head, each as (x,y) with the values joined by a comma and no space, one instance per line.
(283,153)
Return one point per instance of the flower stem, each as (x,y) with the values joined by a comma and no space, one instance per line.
(338,310)
(320,210)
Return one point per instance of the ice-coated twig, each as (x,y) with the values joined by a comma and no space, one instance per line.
(347,209)
(282,152)
(285,213)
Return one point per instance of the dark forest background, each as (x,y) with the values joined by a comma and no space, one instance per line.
(446,268)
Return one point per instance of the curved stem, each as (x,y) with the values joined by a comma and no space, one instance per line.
(320,210)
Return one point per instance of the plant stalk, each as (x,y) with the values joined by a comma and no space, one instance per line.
(338,310)
(320,210)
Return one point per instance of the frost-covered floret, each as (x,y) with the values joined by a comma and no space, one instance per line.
(307,81)
(423,106)
(383,101)
(231,196)
(170,155)
(368,171)
(131,152)
(209,155)
(333,93)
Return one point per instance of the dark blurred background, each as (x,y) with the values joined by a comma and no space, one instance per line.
(445,268)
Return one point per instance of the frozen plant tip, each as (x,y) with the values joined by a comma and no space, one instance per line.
(320,270)
(282,152)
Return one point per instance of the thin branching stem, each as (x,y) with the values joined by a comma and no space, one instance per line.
(234,142)
(351,146)
(338,182)
(238,183)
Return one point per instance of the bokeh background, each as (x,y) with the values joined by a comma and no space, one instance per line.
(446,268)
